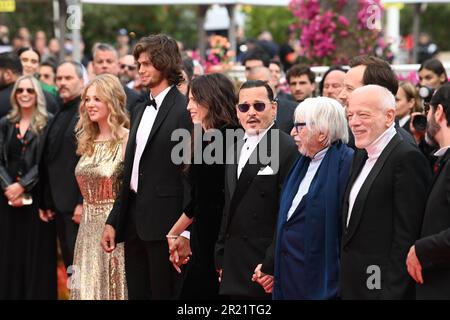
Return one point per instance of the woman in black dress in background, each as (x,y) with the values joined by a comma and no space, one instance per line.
(27,244)
(212,105)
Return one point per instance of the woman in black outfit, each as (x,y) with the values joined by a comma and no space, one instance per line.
(27,244)
(212,105)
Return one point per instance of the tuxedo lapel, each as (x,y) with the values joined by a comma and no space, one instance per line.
(249,172)
(166,105)
(358,164)
(363,193)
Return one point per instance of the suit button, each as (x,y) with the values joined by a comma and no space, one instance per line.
(245,238)
(262,193)
(255,216)
(227,236)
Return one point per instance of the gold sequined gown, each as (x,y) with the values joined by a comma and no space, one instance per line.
(96,274)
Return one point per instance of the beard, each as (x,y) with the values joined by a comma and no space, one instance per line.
(432,129)
(154,82)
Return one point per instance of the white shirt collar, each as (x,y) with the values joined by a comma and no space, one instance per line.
(160,97)
(320,155)
(375,148)
(404,120)
(257,137)
(441,151)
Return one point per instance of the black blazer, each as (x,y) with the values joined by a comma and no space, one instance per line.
(385,221)
(249,218)
(285,114)
(31,157)
(159,201)
(433,249)
(58,187)
(132,97)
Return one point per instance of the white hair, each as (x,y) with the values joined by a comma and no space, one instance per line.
(385,98)
(324,115)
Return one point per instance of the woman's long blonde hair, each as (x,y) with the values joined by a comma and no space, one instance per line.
(110,91)
(40,116)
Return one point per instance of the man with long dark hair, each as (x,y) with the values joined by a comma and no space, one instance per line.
(152,192)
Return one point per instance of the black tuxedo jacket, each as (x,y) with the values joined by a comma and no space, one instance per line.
(159,201)
(433,249)
(58,188)
(250,215)
(285,114)
(384,223)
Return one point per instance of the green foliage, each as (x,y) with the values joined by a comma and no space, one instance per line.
(274,19)
(101,22)
(433,21)
(35,16)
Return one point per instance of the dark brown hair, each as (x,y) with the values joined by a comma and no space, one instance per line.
(164,54)
(377,72)
(299,70)
(215,92)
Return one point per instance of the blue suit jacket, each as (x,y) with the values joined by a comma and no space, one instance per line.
(308,244)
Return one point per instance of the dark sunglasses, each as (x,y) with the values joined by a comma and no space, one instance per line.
(258,106)
(21,90)
(299,125)
(131,68)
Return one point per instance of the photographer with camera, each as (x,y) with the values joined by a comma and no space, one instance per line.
(432,76)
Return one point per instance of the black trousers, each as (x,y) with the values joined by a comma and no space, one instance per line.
(149,273)
(67,231)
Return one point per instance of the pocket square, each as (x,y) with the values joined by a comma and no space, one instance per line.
(266,171)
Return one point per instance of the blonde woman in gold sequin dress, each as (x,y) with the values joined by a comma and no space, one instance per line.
(102,136)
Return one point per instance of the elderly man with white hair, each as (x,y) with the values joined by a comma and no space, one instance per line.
(309,220)
(384,201)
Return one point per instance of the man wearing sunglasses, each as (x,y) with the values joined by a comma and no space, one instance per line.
(128,70)
(106,60)
(245,248)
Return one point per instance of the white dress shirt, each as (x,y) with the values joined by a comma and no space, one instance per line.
(441,151)
(144,129)
(251,141)
(303,188)
(403,120)
(374,151)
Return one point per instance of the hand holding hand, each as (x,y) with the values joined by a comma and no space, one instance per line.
(265,280)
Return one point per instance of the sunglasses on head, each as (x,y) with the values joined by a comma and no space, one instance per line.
(258,106)
(129,67)
(29,90)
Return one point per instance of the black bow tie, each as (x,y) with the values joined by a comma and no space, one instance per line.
(152,102)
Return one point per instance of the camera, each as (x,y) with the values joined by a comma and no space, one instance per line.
(419,122)
(426,93)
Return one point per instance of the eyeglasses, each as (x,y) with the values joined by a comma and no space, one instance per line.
(299,125)
(129,67)
(258,106)
(21,90)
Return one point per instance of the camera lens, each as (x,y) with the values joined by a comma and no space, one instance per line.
(420,122)
(426,93)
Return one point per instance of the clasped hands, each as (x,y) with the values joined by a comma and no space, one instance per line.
(265,280)
(14,193)
(179,251)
